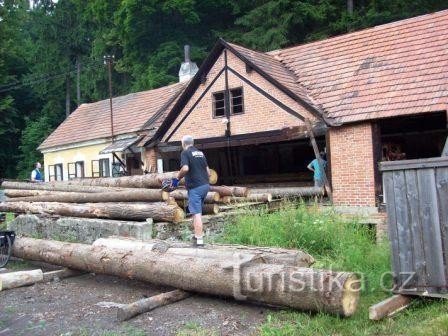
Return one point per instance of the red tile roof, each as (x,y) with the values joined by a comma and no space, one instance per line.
(133,112)
(394,69)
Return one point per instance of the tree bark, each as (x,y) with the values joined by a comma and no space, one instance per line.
(158,211)
(270,255)
(19,279)
(389,307)
(230,191)
(128,311)
(59,186)
(281,192)
(182,194)
(244,279)
(139,195)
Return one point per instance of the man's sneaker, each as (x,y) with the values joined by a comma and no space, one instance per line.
(198,242)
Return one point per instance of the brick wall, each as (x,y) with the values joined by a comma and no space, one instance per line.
(260,114)
(353,165)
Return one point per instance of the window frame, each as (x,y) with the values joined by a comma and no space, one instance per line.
(100,172)
(75,174)
(231,97)
(52,172)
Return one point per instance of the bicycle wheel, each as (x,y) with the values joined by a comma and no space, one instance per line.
(5,251)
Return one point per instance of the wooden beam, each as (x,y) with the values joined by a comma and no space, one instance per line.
(318,157)
(125,312)
(389,307)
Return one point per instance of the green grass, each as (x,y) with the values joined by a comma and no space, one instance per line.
(195,329)
(341,245)
(9,218)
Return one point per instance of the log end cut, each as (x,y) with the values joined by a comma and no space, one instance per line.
(179,215)
(213,178)
(350,295)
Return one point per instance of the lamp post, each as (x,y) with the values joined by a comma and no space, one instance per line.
(109,60)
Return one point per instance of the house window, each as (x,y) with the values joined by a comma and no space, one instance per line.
(218,104)
(236,102)
(55,172)
(100,168)
(75,169)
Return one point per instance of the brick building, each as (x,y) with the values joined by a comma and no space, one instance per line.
(372,95)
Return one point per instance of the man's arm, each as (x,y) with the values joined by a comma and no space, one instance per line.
(33,175)
(209,172)
(310,167)
(182,172)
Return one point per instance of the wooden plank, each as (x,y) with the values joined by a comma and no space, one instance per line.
(389,307)
(403,230)
(442,197)
(432,240)
(416,227)
(414,164)
(392,225)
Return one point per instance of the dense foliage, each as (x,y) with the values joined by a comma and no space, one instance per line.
(42,43)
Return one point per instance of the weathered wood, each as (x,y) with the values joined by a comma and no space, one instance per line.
(182,194)
(210,209)
(135,195)
(281,192)
(442,198)
(158,211)
(389,307)
(432,240)
(125,312)
(300,288)
(415,226)
(414,164)
(19,279)
(230,191)
(56,186)
(270,255)
(61,274)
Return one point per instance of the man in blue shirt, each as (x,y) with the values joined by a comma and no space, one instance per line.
(316,169)
(36,175)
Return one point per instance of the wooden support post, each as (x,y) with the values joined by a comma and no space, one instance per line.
(389,307)
(125,312)
(318,157)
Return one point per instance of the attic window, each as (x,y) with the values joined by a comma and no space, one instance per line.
(236,102)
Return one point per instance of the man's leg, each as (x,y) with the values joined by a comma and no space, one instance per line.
(198,231)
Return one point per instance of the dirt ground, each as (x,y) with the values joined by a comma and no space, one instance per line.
(69,307)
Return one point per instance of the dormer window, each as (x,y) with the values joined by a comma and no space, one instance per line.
(236,102)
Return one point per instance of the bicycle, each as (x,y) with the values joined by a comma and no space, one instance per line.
(6,242)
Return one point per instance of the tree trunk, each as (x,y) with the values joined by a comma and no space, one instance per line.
(128,311)
(389,307)
(78,79)
(270,255)
(244,279)
(281,192)
(230,191)
(19,279)
(59,186)
(210,209)
(182,194)
(140,195)
(158,211)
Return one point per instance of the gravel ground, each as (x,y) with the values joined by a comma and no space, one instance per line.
(69,307)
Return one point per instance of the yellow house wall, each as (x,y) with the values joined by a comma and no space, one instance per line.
(86,154)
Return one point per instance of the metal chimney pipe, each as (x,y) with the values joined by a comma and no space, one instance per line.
(187,53)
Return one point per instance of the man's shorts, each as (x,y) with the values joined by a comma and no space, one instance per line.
(196,198)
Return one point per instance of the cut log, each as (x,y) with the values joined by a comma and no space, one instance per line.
(389,307)
(225,200)
(281,192)
(258,197)
(158,211)
(19,279)
(213,178)
(135,195)
(125,312)
(210,209)
(57,186)
(230,191)
(300,288)
(182,194)
(270,255)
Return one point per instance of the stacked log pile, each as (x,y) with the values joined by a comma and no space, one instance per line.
(133,197)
